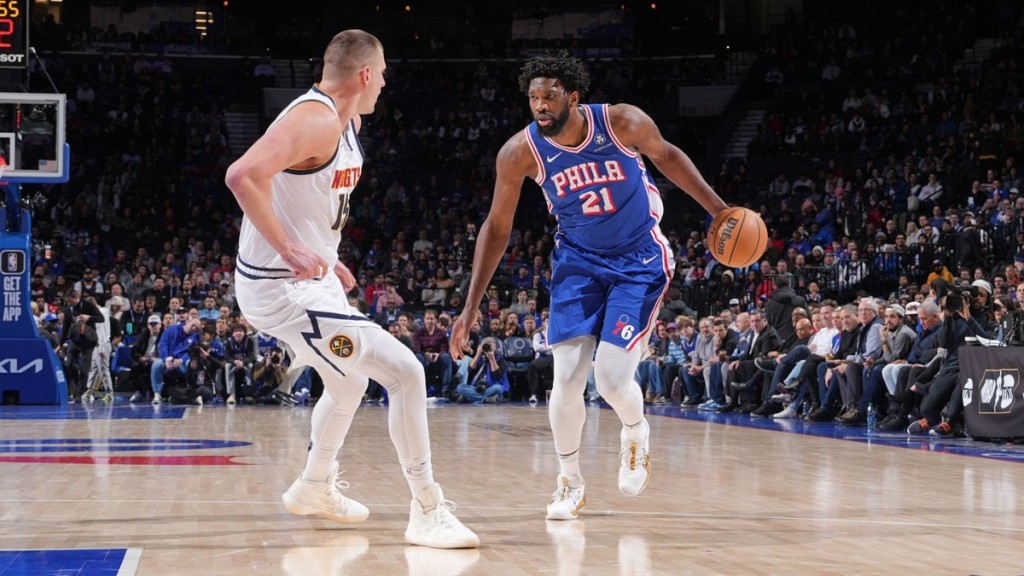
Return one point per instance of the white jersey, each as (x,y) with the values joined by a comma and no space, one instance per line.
(312,204)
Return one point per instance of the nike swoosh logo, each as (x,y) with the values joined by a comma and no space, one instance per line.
(552,158)
(649,260)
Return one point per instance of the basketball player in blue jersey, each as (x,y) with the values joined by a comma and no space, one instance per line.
(611,263)
(293,185)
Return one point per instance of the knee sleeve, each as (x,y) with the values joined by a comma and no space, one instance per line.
(566,410)
(614,368)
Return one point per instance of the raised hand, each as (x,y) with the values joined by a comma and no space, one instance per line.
(458,343)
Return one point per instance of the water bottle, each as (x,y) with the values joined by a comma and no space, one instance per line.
(871,416)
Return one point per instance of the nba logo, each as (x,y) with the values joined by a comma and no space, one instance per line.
(12,262)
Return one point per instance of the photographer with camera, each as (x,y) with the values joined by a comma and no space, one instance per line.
(239,359)
(982,305)
(269,374)
(490,375)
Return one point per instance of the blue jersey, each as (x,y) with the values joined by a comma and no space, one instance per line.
(599,191)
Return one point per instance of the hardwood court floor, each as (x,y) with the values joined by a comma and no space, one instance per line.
(724,498)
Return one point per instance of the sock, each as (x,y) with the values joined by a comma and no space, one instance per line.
(418,475)
(569,465)
(318,463)
(635,431)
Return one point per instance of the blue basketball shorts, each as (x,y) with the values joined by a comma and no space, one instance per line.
(614,298)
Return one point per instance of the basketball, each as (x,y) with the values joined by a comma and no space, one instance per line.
(737,237)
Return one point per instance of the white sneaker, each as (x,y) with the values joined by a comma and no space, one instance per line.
(432,524)
(231,399)
(87,398)
(787,413)
(324,499)
(433,562)
(533,399)
(635,462)
(199,400)
(156,398)
(137,397)
(566,501)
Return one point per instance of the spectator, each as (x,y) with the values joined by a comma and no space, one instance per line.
(431,347)
(542,367)
(144,353)
(780,306)
(79,340)
(175,343)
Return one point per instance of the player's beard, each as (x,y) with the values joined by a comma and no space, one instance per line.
(557,123)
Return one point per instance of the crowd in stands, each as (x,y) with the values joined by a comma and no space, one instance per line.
(887,177)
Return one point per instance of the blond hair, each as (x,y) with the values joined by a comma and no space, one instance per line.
(349,51)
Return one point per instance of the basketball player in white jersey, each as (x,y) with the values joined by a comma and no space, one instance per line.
(293,185)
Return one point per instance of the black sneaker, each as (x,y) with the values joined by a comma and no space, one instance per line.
(894,424)
(919,427)
(820,415)
(853,418)
(748,407)
(942,430)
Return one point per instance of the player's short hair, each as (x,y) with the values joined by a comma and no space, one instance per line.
(350,50)
(569,72)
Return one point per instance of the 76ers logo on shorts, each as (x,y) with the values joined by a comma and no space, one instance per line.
(624,328)
(342,346)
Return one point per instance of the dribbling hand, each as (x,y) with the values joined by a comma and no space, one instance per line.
(305,263)
(459,341)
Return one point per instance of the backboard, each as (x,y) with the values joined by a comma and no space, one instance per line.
(32,137)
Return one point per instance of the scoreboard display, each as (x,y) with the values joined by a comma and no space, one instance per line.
(14,24)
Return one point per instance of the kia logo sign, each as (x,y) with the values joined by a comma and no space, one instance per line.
(12,366)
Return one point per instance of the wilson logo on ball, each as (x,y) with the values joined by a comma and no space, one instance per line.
(737,237)
(726,233)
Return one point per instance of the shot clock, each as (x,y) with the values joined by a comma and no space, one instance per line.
(14,24)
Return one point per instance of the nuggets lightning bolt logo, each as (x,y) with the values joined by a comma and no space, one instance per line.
(342,346)
(315,336)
